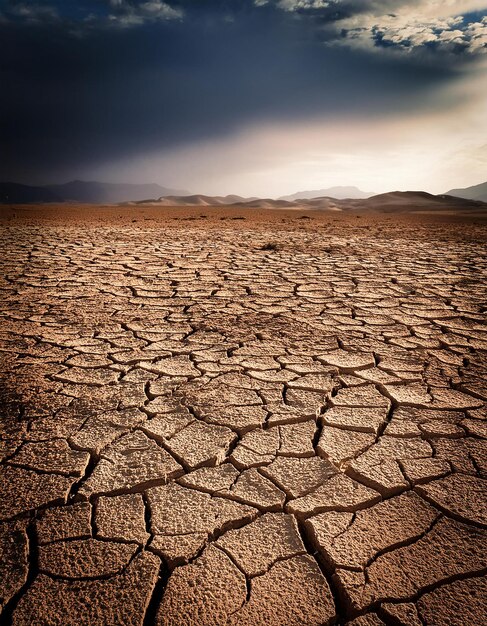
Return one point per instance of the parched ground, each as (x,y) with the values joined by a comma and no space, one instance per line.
(242,419)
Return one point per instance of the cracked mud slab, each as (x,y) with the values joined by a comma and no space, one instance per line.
(197,430)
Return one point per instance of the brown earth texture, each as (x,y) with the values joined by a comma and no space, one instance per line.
(229,417)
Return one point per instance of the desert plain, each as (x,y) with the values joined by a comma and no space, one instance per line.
(241,417)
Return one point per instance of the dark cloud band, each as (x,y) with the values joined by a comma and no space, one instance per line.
(79,88)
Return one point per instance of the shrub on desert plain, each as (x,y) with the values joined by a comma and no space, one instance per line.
(272,246)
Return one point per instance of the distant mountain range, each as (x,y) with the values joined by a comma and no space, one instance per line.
(395,201)
(341,193)
(411,201)
(196,200)
(155,195)
(83,191)
(476,192)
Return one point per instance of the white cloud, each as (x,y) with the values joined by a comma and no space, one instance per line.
(297,5)
(431,8)
(415,26)
(402,25)
(33,12)
(477,32)
(128,14)
(121,13)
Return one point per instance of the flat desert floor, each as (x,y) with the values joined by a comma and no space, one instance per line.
(224,417)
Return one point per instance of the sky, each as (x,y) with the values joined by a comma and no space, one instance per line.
(254,97)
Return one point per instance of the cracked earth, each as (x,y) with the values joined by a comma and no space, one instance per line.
(269,423)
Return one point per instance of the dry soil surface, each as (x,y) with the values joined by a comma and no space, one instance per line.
(242,418)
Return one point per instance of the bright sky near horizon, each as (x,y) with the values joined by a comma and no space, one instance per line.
(255,97)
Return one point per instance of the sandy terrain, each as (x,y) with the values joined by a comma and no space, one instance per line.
(235,417)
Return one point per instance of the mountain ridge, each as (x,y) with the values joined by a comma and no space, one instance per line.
(109,193)
(475,192)
(202,200)
(393,201)
(338,192)
(92,192)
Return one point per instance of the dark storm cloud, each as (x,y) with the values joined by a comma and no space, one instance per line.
(99,80)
